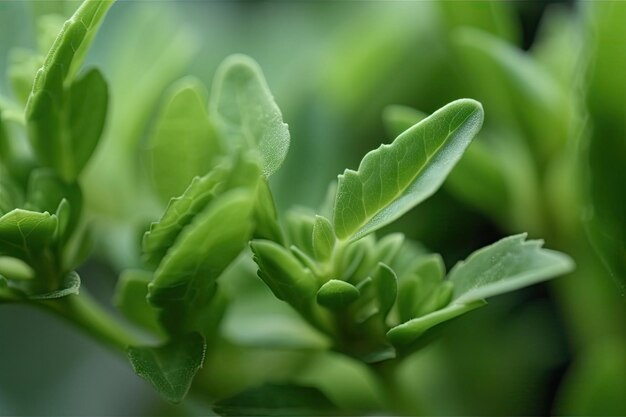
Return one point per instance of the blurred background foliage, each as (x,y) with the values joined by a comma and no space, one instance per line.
(550,161)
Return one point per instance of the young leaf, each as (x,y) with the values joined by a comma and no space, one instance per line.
(504,266)
(386,285)
(170,368)
(54,111)
(336,294)
(183,144)
(15,269)
(284,274)
(131,299)
(394,178)
(23,233)
(245,112)
(323,238)
(266,218)
(183,284)
(277,400)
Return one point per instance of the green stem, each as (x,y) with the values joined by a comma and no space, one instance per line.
(83,311)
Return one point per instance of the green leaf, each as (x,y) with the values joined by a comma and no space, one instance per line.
(507,265)
(61,110)
(386,286)
(398,118)
(323,239)
(131,299)
(336,294)
(266,224)
(394,178)
(183,284)
(15,269)
(170,368)
(24,233)
(403,335)
(183,144)
(179,213)
(246,114)
(422,290)
(68,286)
(10,195)
(284,274)
(299,223)
(277,400)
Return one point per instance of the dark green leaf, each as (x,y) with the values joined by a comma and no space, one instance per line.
(505,266)
(170,368)
(246,114)
(131,299)
(337,294)
(277,400)
(394,178)
(183,144)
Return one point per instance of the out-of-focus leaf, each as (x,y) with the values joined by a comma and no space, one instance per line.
(131,299)
(10,196)
(398,118)
(15,269)
(497,18)
(606,100)
(595,384)
(183,284)
(170,368)
(48,27)
(299,224)
(507,265)
(277,400)
(246,114)
(394,178)
(52,109)
(69,285)
(386,286)
(23,233)
(336,294)
(23,65)
(183,144)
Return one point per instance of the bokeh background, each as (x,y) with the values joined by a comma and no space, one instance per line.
(549,161)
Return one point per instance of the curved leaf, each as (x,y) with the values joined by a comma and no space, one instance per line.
(69,285)
(170,368)
(336,294)
(245,112)
(23,233)
(394,178)
(507,265)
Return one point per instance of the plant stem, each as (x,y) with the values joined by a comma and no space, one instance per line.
(83,311)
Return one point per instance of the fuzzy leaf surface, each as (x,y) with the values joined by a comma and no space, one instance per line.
(396,177)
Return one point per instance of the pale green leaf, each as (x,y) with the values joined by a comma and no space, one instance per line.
(24,233)
(507,265)
(183,144)
(336,294)
(15,269)
(246,114)
(56,100)
(23,65)
(323,238)
(394,178)
(170,368)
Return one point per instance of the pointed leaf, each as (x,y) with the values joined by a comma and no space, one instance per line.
(386,284)
(337,294)
(323,238)
(245,112)
(394,178)
(170,368)
(507,265)
(183,144)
